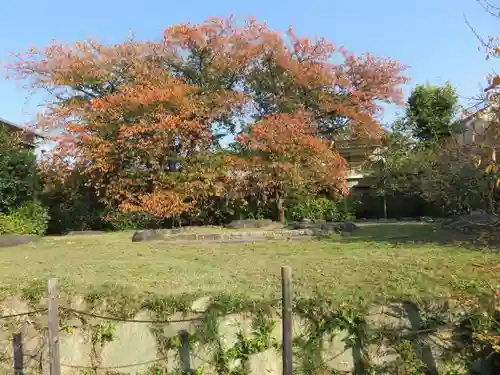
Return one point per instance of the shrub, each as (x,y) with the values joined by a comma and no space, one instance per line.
(117,220)
(29,218)
(315,208)
(73,203)
(18,172)
(77,213)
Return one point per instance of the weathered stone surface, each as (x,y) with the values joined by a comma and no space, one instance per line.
(272,231)
(75,349)
(306,225)
(133,345)
(249,223)
(427,219)
(333,227)
(349,226)
(335,353)
(85,232)
(8,240)
(267,362)
(201,304)
(147,235)
(229,327)
(244,236)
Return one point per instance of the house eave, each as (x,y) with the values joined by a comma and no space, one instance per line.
(21,128)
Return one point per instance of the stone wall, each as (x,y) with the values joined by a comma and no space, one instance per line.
(325,339)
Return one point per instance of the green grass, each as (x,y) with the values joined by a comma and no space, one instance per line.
(379,260)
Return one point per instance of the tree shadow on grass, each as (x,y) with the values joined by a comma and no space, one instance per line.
(417,233)
(9,240)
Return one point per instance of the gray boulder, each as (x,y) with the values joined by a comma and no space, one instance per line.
(350,227)
(147,235)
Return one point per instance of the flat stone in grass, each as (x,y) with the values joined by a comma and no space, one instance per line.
(250,223)
(8,240)
(325,227)
(166,235)
(85,232)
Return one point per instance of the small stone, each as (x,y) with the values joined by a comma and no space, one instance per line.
(201,304)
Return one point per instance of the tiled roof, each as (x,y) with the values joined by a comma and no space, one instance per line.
(14,125)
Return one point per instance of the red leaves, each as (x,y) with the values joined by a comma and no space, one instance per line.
(141,115)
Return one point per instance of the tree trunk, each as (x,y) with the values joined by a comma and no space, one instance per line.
(385,206)
(491,197)
(280,209)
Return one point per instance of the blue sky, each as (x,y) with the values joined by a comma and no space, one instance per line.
(428,35)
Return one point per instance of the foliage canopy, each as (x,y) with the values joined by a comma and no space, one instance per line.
(144,119)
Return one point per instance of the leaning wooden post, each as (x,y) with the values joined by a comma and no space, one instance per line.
(286,290)
(17,346)
(54,360)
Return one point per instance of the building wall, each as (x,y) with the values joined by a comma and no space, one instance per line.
(477,132)
(356,157)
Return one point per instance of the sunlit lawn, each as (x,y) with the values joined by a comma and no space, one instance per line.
(401,259)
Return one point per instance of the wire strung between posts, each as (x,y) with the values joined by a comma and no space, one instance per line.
(115,367)
(164,321)
(409,332)
(112,318)
(23,314)
(129,365)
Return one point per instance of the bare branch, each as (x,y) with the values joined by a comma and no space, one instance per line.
(489,8)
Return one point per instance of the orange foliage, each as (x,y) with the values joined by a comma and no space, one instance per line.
(141,117)
(155,203)
(288,155)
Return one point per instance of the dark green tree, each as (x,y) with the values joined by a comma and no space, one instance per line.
(18,172)
(431,112)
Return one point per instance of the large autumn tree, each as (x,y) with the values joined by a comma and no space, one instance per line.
(144,118)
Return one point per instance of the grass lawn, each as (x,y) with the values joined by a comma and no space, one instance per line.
(390,259)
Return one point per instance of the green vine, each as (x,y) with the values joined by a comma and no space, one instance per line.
(474,327)
(259,340)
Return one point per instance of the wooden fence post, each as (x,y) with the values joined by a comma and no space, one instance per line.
(184,353)
(54,360)
(286,291)
(17,346)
